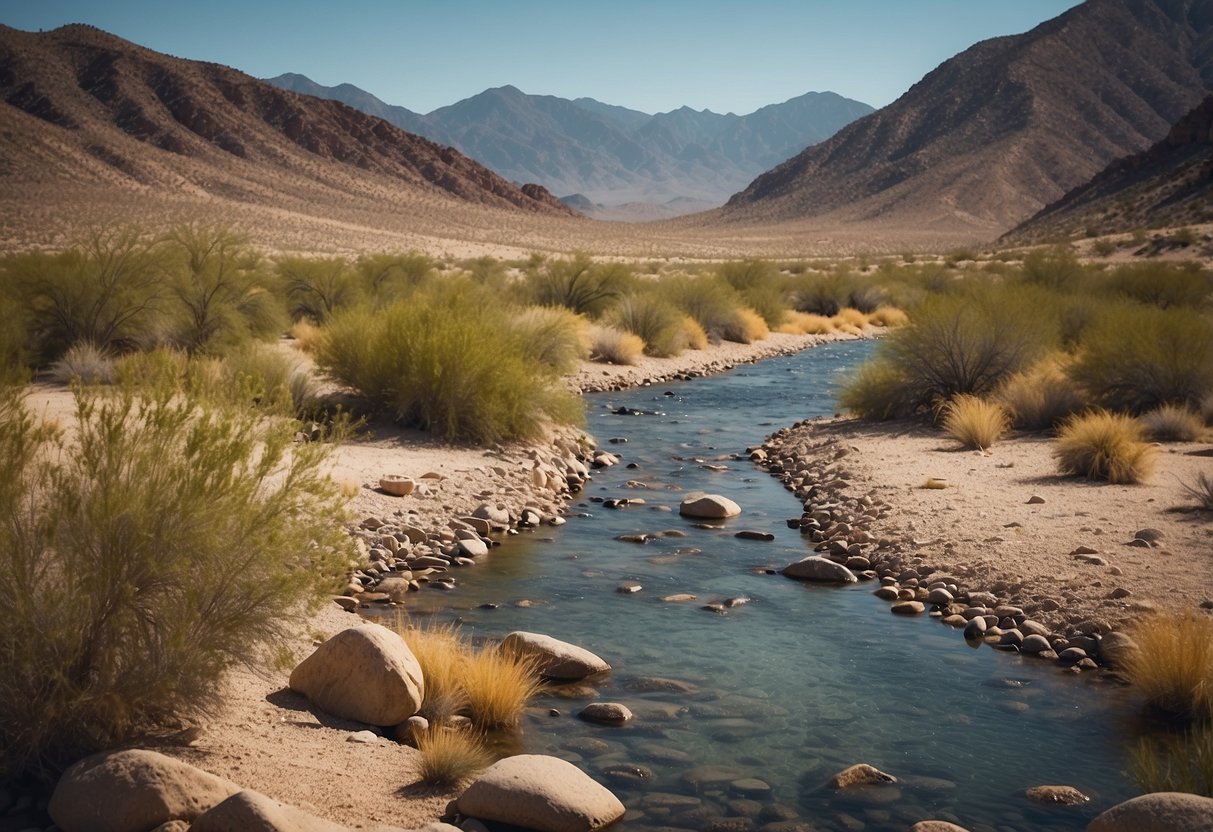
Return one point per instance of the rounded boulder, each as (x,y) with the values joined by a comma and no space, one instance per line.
(708,507)
(823,570)
(1158,812)
(552,657)
(542,793)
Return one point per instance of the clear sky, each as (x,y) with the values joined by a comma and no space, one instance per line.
(652,56)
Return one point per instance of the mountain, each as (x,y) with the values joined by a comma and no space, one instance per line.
(92,123)
(1007,126)
(613,155)
(1169,185)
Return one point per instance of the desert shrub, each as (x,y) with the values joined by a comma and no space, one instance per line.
(1173,423)
(1201,491)
(270,378)
(1161,284)
(218,293)
(487,271)
(614,346)
(447,361)
(316,288)
(85,363)
(552,336)
(757,282)
(1040,397)
(307,336)
(746,327)
(974,422)
(659,324)
(697,337)
(1175,761)
(388,277)
(850,316)
(804,323)
(160,368)
(440,651)
(889,316)
(1173,663)
(877,391)
(168,540)
(817,295)
(498,687)
(1104,446)
(1136,358)
(450,756)
(578,284)
(1056,269)
(14,339)
(714,305)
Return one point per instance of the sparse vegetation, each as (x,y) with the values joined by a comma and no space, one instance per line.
(169,539)
(578,284)
(84,363)
(1104,446)
(659,324)
(551,335)
(974,422)
(1173,663)
(1201,491)
(1173,423)
(613,346)
(449,756)
(440,651)
(1040,397)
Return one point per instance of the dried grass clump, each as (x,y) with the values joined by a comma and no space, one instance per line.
(746,327)
(611,346)
(85,363)
(806,323)
(1041,397)
(450,756)
(439,650)
(1181,762)
(889,316)
(1201,490)
(553,336)
(1173,662)
(850,317)
(697,338)
(1104,446)
(497,687)
(1173,423)
(658,323)
(307,335)
(973,422)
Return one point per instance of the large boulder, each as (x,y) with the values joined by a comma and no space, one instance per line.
(365,673)
(708,506)
(542,793)
(1158,812)
(822,570)
(553,658)
(133,791)
(250,811)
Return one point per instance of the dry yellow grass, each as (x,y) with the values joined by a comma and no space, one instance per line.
(1042,396)
(697,339)
(450,756)
(850,317)
(888,316)
(307,336)
(497,687)
(442,656)
(805,323)
(1173,662)
(1173,423)
(1104,446)
(750,328)
(612,346)
(974,422)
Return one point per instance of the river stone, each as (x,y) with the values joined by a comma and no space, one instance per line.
(133,790)
(498,516)
(939,597)
(816,568)
(1035,644)
(607,713)
(1115,648)
(908,608)
(553,658)
(1157,812)
(366,673)
(936,826)
(472,547)
(249,811)
(708,506)
(542,793)
(860,774)
(1058,795)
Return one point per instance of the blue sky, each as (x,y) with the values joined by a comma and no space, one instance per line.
(651,56)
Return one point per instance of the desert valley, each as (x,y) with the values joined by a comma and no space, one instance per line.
(541,463)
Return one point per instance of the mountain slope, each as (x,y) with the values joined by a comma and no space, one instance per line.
(1171,184)
(1005,127)
(613,154)
(86,112)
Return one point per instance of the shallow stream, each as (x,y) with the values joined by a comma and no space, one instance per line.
(793,686)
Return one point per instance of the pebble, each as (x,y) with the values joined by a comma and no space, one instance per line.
(1057,795)
(606,713)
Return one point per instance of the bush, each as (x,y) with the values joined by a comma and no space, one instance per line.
(552,336)
(973,422)
(162,368)
(1173,423)
(268,377)
(388,277)
(714,305)
(447,361)
(611,346)
(1201,490)
(167,541)
(1173,663)
(1056,269)
(317,288)
(84,363)
(1104,446)
(697,339)
(889,316)
(449,756)
(876,391)
(851,317)
(803,323)
(757,283)
(659,324)
(1165,285)
(1041,397)
(579,284)
(1137,358)
(746,327)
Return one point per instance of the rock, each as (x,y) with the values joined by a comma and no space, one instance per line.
(751,534)
(1115,648)
(860,774)
(366,673)
(1071,655)
(816,568)
(249,811)
(397,486)
(1035,644)
(976,628)
(346,602)
(628,588)
(1149,535)
(680,597)
(1035,500)
(498,516)
(606,713)
(365,737)
(936,826)
(472,548)
(708,506)
(1057,795)
(1157,812)
(553,658)
(939,597)
(121,791)
(750,786)
(908,608)
(541,793)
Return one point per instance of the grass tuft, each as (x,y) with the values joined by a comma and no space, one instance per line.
(806,323)
(1201,490)
(973,422)
(497,687)
(657,323)
(697,339)
(450,756)
(84,363)
(848,316)
(551,335)
(1181,762)
(1104,446)
(612,346)
(439,650)
(746,327)
(1041,397)
(889,316)
(1173,663)
(1173,423)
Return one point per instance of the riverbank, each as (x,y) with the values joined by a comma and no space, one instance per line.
(1079,558)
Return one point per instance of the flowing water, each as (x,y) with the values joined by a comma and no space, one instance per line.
(795,685)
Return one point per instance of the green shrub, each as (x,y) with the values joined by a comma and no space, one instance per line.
(973,422)
(388,277)
(1056,269)
(84,363)
(656,322)
(168,540)
(316,288)
(269,377)
(877,391)
(161,368)
(447,361)
(758,284)
(1173,663)
(579,284)
(713,304)
(1040,397)
(1136,358)
(1104,446)
(1173,423)
(552,336)
(1164,285)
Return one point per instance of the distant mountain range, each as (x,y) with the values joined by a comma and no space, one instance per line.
(1169,185)
(1004,128)
(666,163)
